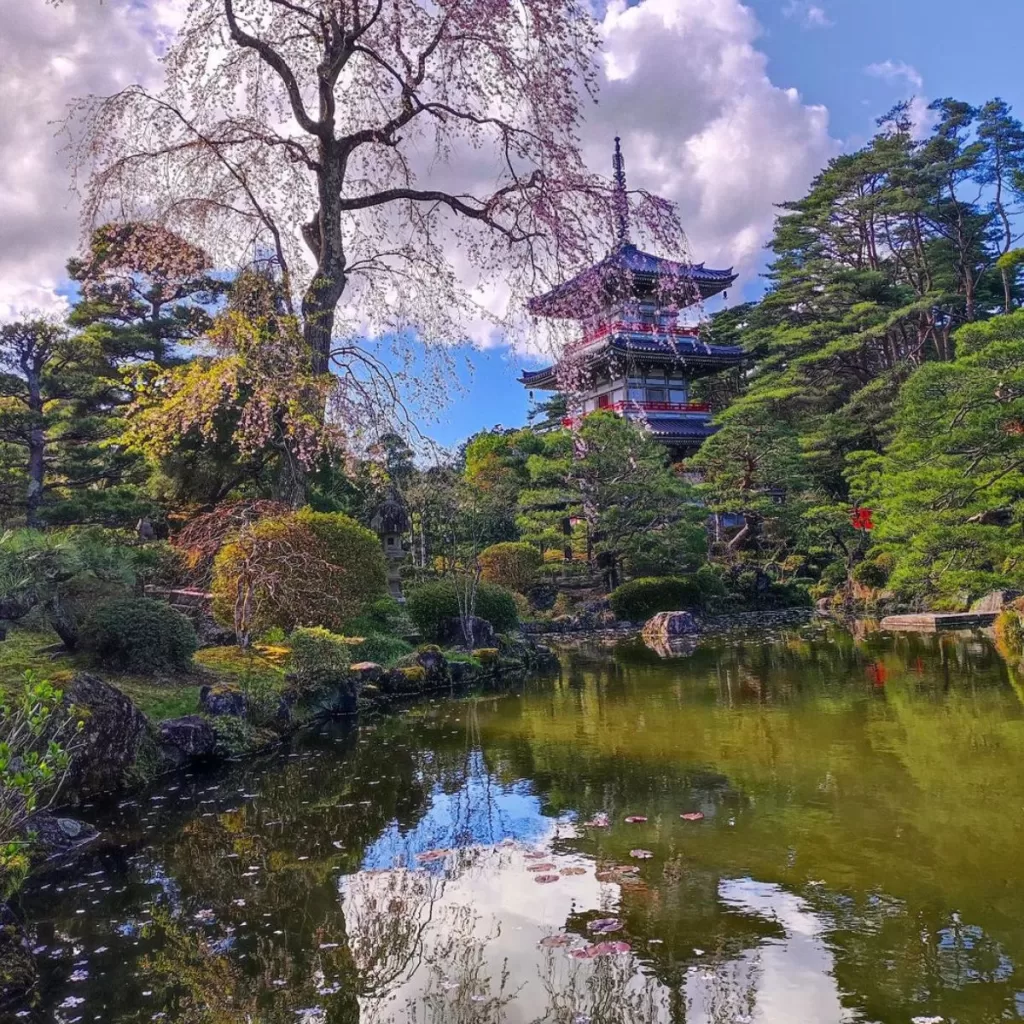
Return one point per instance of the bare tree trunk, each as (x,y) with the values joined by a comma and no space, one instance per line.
(36,451)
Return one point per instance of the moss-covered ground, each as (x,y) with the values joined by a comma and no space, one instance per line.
(159,696)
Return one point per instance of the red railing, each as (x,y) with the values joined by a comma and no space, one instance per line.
(623,407)
(658,407)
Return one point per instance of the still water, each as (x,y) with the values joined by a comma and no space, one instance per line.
(858,858)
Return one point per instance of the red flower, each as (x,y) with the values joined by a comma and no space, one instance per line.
(861,519)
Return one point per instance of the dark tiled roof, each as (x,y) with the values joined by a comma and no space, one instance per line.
(639,346)
(627,270)
(668,429)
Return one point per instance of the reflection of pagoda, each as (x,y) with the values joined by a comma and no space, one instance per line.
(635,357)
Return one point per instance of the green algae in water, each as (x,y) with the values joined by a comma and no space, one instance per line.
(858,858)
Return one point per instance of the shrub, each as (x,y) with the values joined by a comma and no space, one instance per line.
(432,605)
(319,657)
(512,564)
(870,574)
(384,650)
(1010,631)
(139,635)
(385,616)
(642,598)
(354,549)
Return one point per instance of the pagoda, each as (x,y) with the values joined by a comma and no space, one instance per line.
(635,357)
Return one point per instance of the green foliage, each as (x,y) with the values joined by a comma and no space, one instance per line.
(38,738)
(870,574)
(432,605)
(355,549)
(946,492)
(320,658)
(639,599)
(380,648)
(139,635)
(511,564)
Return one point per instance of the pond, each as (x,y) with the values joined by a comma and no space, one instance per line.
(827,827)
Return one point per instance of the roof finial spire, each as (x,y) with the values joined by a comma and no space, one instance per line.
(619,200)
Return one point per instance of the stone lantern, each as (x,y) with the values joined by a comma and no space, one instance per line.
(391,523)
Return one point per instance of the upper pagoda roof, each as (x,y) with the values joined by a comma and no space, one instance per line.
(628,272)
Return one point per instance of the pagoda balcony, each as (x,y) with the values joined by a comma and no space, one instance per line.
(639,410)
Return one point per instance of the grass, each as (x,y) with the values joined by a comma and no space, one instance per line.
(158,697)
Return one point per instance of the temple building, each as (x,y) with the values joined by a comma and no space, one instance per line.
(635,356)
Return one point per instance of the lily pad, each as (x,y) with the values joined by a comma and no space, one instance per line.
(540,867)
(545,879)
(556,941)
(692,816)
(572,870)
(641,854)
(635,819)
(604,925)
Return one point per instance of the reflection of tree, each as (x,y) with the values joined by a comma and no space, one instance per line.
(387,914)
(607,990)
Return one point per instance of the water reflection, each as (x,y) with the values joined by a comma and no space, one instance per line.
(850,852)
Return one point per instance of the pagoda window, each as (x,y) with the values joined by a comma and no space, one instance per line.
(678,395)
(603,401)
(655,394)
(637,395)
(656,376)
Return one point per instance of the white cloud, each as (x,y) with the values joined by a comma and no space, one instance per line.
(684,85)
(50,55)
(809,15)
(702,123)
(909,78)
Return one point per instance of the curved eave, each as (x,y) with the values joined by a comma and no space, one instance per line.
(630,271)
(677,430)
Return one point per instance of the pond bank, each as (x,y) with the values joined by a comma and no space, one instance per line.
(124,750)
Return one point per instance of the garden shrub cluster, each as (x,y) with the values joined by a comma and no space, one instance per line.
(380,648)
(298,569)
(640,599)
(319,657)
(511,564)
(139,635)
(433,605)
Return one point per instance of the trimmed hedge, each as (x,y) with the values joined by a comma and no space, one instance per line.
(319,657)
(639,599)
(137,634)
(384,650)
(432,605)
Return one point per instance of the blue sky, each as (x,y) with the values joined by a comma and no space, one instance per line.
(971,52)
(727,107)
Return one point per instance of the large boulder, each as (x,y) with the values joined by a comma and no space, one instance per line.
(222,700)
(54,834)
(185,739)
(995,601)
(668,626)
(453,634)
(114,733)
(434,664)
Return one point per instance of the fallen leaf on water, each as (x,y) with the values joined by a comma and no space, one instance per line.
(605,925)
(600,949)
(572,871)
(544,879)
(692,816)
(431,855)
(540,867)
(635,819)
(641,854)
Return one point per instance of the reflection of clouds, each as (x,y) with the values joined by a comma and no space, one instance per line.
(466,947)
(788,979)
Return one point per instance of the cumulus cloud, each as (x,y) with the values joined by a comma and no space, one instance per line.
(809,15)
(50,55)
(684,84)
(702,123)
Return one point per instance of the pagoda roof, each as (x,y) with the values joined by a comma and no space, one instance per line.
(668,429)
(629,272)
(637,346)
